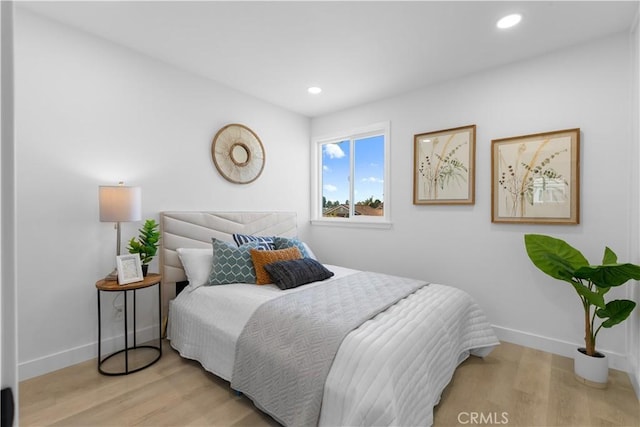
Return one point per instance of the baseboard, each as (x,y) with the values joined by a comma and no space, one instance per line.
(55,361)
(552,345)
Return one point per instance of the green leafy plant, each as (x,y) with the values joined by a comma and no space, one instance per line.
(562,261)
(147,242)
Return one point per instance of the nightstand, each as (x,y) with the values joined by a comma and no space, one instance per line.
(144,355)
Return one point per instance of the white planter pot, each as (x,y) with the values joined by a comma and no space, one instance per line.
(591,370)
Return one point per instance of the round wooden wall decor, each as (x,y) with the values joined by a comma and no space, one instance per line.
(238,154)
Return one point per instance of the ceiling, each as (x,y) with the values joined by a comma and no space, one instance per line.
(357,52)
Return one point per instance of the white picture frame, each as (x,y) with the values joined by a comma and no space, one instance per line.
(129,269)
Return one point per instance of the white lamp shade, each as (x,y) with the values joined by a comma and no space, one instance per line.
(120,203)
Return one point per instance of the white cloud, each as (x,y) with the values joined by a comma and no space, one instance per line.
(330,188)
(373,180)
(326,168)
(333,151)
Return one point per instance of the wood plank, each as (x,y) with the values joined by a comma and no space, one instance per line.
(528,387)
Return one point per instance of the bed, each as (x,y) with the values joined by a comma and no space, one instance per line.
(383,359)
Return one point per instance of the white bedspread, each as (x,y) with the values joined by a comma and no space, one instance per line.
(389,371)
(392,370)
(205,323)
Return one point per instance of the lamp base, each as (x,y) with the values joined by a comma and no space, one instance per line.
(112,276)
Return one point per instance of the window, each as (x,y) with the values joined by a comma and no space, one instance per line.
(351,177)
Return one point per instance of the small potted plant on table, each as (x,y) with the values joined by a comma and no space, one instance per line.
(146,244)
(562,261)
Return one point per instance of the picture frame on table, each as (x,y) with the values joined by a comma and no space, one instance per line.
(444,167)
(129,269)
(536,178)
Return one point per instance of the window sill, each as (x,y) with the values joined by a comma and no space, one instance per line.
(352,224)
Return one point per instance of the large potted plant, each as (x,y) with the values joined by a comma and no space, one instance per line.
(562,261)
(146,244)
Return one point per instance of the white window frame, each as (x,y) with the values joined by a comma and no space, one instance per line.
(381,128)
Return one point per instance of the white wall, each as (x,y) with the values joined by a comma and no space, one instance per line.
(8,309)
(587,87)
(89,113)
(633,336)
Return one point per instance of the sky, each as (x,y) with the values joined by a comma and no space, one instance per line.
(369,169)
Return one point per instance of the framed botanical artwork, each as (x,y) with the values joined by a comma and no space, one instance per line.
(444,167)
(536,178)
(129,269)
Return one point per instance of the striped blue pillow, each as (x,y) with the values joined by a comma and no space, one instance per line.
(264,242)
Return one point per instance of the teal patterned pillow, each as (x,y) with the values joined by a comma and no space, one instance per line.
(232,264)
(284,243)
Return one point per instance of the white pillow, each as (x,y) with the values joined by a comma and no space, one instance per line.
(197,265)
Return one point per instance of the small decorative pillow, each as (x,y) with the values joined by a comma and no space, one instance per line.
(232,264)
(262,258)
(284,242)
(265,242)
(310,253)
(291,274)
(197,265)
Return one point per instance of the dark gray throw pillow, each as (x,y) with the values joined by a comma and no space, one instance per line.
(297,272)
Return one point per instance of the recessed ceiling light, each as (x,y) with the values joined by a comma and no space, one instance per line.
(314,90)
(509,21)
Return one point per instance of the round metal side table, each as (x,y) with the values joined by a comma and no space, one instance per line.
(152,279)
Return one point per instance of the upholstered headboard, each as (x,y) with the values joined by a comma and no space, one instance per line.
(195,230)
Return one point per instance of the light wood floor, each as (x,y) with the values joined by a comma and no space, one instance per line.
(513,386)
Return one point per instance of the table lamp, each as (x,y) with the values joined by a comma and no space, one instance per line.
(119,203)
